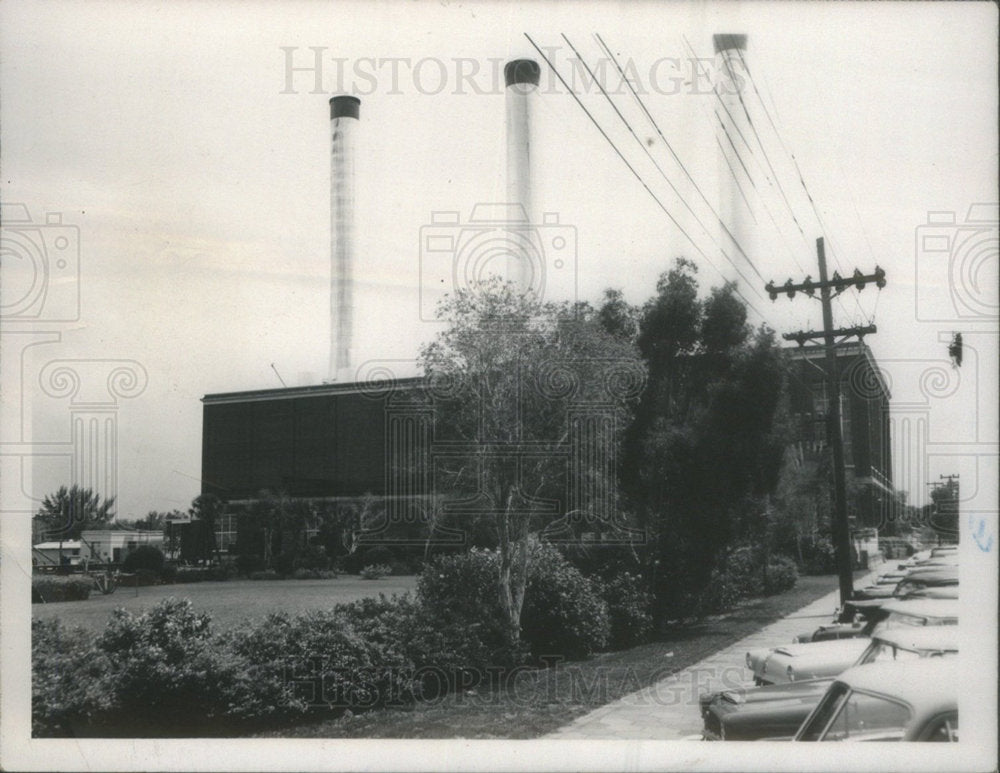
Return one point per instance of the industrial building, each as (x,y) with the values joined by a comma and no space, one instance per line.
(865,422)
(341,440)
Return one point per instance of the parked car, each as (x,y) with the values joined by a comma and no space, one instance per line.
(914,701)
(915,579)
(826,658)
(942,552)
(872,614)
(776,711)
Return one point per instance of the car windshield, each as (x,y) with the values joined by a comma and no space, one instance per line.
(879,651)
(818,720)
(863,717)
(895,620)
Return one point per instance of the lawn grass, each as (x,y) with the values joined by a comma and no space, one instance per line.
(539,701)
(227,602)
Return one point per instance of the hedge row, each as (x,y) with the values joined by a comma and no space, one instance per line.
(165,672)
(56,588)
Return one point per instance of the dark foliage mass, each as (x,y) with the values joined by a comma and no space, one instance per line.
(704,454)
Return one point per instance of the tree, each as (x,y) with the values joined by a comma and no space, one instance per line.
(617,316)
(66,513)
(153,521)
(512,379)
(207,509)
(704,452)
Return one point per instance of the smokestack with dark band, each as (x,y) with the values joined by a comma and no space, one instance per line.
(735,187)
(344,117)
(521,77)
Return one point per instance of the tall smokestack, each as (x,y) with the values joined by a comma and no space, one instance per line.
(735,188)
(521,77)
(344,117)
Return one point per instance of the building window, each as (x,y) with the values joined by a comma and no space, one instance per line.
(225,532)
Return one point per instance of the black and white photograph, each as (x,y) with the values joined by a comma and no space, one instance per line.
(498,385)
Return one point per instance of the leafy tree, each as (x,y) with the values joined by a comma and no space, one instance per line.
(504,375)
(704,452)
(144,558)
(617,316)
(153,521)
(66,513)
(207,509)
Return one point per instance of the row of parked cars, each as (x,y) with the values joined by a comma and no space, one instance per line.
(889,674)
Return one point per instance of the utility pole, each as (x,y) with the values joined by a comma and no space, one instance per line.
(829,334)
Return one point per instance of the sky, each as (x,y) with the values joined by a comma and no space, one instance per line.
(186,146)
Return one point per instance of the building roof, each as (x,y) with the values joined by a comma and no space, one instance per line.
(817,352)
(373,387)
(69,544)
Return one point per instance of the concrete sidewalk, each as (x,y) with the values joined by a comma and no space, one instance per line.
(668,710)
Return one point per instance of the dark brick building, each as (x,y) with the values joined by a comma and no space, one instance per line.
(864,403)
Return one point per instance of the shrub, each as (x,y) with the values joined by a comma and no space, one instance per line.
(401,568)
(141,578)
(629,607)
(439,655)
(144,557)
(375,571)
(311,557)
(220,572)
(246,564)
(70,689)
(321,661)
(781,575)
(460,590)
(562,613)
(735,577)
(166,668)
(305,574)
(267,574)
(56,588)
(168,574)
(191,574)
(818,555)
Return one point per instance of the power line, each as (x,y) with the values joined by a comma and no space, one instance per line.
(716,118)
(753,127)
(659,168)
(673,153)
(798,171)
(634,172)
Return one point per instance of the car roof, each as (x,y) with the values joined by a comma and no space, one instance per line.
(929,685)
(924,607)
(926,637)
(943,571)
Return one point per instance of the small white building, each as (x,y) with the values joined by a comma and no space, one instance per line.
(103,546)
